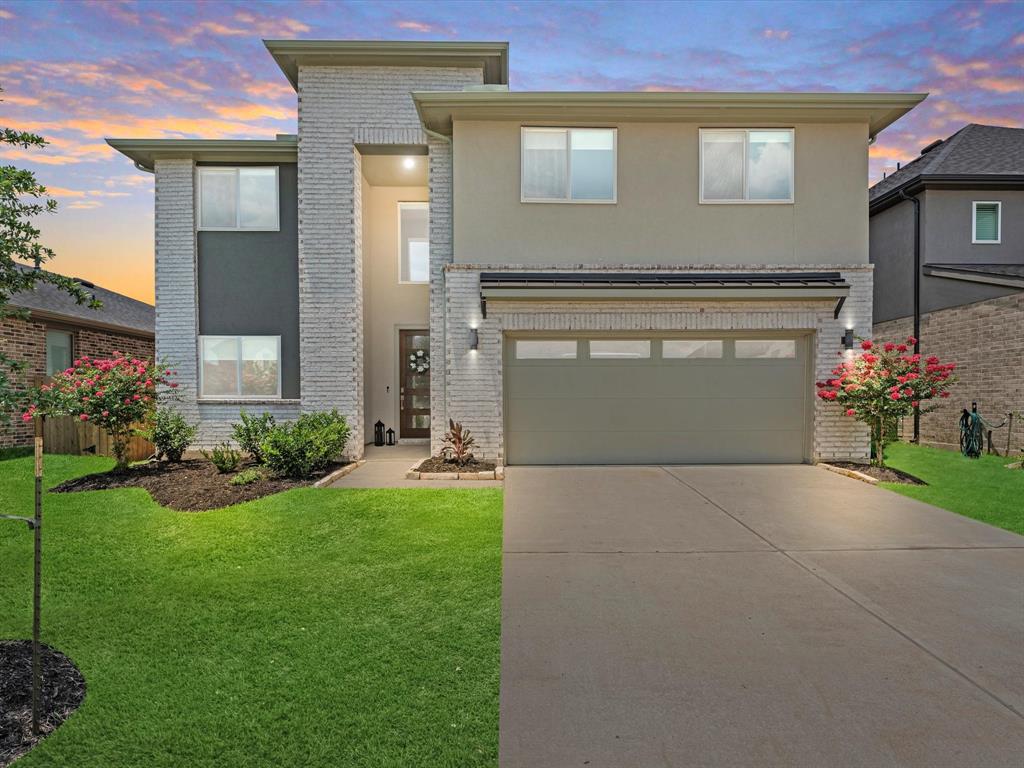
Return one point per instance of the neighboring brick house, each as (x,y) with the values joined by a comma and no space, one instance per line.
(578,277)
(58,330)
(970,189)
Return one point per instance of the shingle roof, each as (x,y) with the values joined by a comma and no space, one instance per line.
(118,310)
(973,150)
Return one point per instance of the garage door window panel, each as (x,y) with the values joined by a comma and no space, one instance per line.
(619,349)
(765,349)
(692,349)
(546,349)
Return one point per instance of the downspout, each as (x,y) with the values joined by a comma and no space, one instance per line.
(444,280)
(917,296)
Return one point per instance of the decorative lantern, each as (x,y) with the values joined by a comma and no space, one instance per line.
(391,436)
(378,433)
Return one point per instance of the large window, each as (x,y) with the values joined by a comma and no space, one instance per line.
(238,198)
(240,367)
(746,165)
(987,222)
(568,165)
(414,242)
(59,351)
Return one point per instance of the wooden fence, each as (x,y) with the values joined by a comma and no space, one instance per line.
(66,434)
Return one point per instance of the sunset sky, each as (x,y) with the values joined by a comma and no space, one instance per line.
(78,72)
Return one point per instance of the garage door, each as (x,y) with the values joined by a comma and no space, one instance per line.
(646,400)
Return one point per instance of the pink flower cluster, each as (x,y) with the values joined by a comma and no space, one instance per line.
(887,382)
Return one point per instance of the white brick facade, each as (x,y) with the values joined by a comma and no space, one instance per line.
(474,381)
(177,317)
(340,107)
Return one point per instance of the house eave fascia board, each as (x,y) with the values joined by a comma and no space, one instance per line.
(492,57)
(974,277)
(146,151)
(439,109)
(917,184)
(45,315)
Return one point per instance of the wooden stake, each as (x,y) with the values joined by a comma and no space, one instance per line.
(37,530)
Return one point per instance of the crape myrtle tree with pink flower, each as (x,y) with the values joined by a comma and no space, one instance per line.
(116,394)
(882,384)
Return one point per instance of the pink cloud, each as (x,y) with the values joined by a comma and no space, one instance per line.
(775,34)
(415,26)
(1001,84)
(954,69)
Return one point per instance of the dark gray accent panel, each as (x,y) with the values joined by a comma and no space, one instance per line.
(945,238)
(249,282)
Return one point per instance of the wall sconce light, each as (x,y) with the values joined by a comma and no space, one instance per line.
(474,339)
(847,339)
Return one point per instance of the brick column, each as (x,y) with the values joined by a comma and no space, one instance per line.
(177,323)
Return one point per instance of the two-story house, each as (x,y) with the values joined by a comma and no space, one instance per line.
(577,277)
(968,193)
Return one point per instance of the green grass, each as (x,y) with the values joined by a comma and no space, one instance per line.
(980,488)
(311,628)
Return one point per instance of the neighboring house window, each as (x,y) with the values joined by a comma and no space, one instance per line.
(240,366)
(59,351)
(746,165)
(568,165)
(414,242)
(987,222)
(238,198)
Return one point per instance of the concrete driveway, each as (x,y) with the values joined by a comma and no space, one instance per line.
(761,616)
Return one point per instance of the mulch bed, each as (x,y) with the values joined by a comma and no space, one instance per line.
(192,485)
(63,692)
(438,464)
(882,474)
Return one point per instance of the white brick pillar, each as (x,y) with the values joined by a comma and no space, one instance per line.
(177,319)
(441,254)
(330,259)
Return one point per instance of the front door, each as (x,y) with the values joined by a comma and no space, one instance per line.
(414,393)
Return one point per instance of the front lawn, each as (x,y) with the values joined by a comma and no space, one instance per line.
(980,488)
(312,628)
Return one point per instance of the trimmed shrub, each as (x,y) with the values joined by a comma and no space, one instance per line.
(247,476)
(251,433)
(224,458)
(171,434)
(308,445)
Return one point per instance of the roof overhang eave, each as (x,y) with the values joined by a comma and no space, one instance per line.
(492,57)
(439,109)
(145,152)
(921,182)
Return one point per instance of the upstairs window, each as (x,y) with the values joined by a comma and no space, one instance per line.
(568,165)
(59,351)
(414,242)
(746,165)
(238,198)
(987,222)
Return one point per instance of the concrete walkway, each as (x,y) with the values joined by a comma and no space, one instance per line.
(753,616)
(386,466)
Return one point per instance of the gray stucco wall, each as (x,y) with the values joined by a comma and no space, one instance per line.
(945,239)
(658,217)
(249,282)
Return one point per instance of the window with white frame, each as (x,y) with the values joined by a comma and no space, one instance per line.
(237,198)
(240,367)
(986,222)
(414,242)
(746,165)
(568,165)
(59,351)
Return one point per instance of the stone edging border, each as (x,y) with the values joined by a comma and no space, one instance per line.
(339,473)
(849,473)
(413,473)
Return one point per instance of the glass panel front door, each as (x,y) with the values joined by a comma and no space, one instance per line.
(414,395)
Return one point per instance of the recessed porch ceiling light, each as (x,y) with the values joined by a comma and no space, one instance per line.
(409,163)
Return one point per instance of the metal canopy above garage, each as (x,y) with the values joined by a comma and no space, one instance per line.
(601,286)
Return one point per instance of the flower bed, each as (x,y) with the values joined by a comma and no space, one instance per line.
(439,468)
(191,485)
